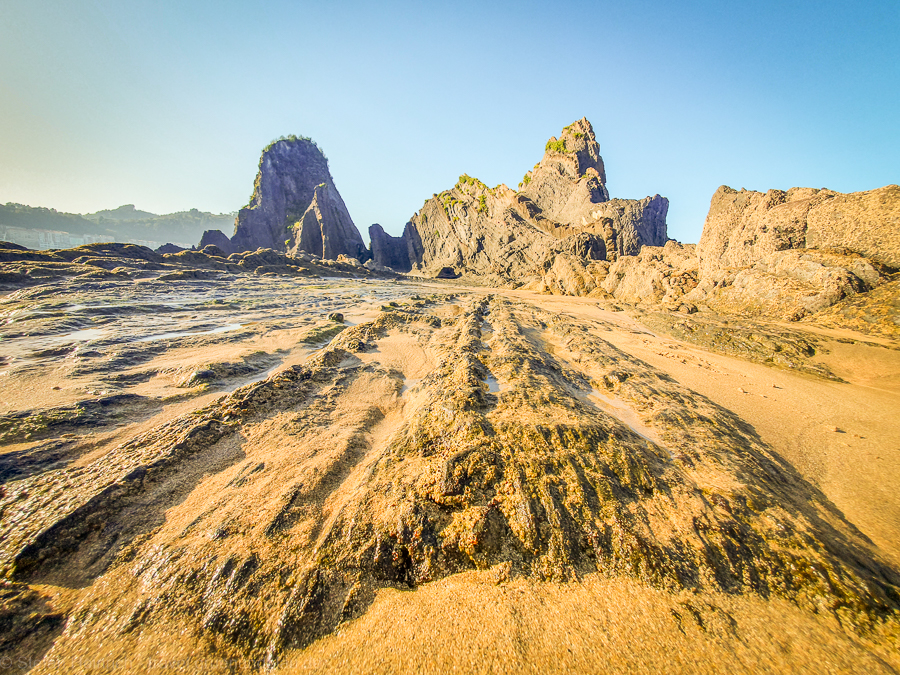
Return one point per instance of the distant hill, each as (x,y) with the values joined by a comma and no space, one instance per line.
(124,212)
(38,227)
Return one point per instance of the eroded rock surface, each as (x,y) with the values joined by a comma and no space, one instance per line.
(744,227)
(500,436)
(506,237)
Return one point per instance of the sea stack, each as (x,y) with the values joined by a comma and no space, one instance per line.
(295,205)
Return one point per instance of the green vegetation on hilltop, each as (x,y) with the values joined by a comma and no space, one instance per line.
(466,179)
(556,146)
(40,218)
(292,138)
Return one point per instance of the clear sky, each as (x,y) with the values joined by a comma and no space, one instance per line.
(167,103)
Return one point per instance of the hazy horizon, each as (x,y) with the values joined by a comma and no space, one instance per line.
(167,105)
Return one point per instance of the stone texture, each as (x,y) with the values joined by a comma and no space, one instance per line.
(867,223)
(790,254)
(325,229)
(788,284)
(560,221)
(388,251)
(658,274)
(743,227)
(295,205)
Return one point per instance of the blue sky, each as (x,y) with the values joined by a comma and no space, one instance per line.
(167,104)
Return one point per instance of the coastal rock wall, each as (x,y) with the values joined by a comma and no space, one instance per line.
(744,226)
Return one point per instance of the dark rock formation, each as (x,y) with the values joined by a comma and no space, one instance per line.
(165,248)
(389,251)
(216,238)
(325,229)
(509,237)
(295,205)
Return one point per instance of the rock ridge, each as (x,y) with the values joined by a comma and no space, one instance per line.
(509,237)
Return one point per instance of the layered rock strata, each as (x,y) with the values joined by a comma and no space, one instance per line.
(512,454)
(507,237)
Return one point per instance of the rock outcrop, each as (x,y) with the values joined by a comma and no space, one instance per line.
(744,226)
(389,251)
(659,275)
(510,237)
(216,238)
(790,254)
(295,205)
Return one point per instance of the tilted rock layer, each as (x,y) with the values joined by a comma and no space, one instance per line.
(511,453)
(504,236)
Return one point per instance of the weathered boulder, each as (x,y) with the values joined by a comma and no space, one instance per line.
(295,205)
(788,284)
(658,274)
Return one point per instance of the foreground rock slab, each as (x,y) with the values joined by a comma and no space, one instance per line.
(445,451)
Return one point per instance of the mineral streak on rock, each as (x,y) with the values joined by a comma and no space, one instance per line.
(509,452)
(295,206)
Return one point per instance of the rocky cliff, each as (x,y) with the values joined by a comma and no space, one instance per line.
(743,227)
(562,216)
(295,205)
(789,255)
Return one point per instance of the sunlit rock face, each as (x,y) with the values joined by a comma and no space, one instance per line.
(505,236)
(791,254)
(296,207)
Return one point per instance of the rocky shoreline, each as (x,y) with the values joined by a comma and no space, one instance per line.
(597,446)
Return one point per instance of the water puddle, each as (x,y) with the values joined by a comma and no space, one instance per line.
(167,336)
(493,385)
(265,375)
(83,335)
(409,383)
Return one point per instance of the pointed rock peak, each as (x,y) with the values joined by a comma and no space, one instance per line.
(293,184)
(576,141)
